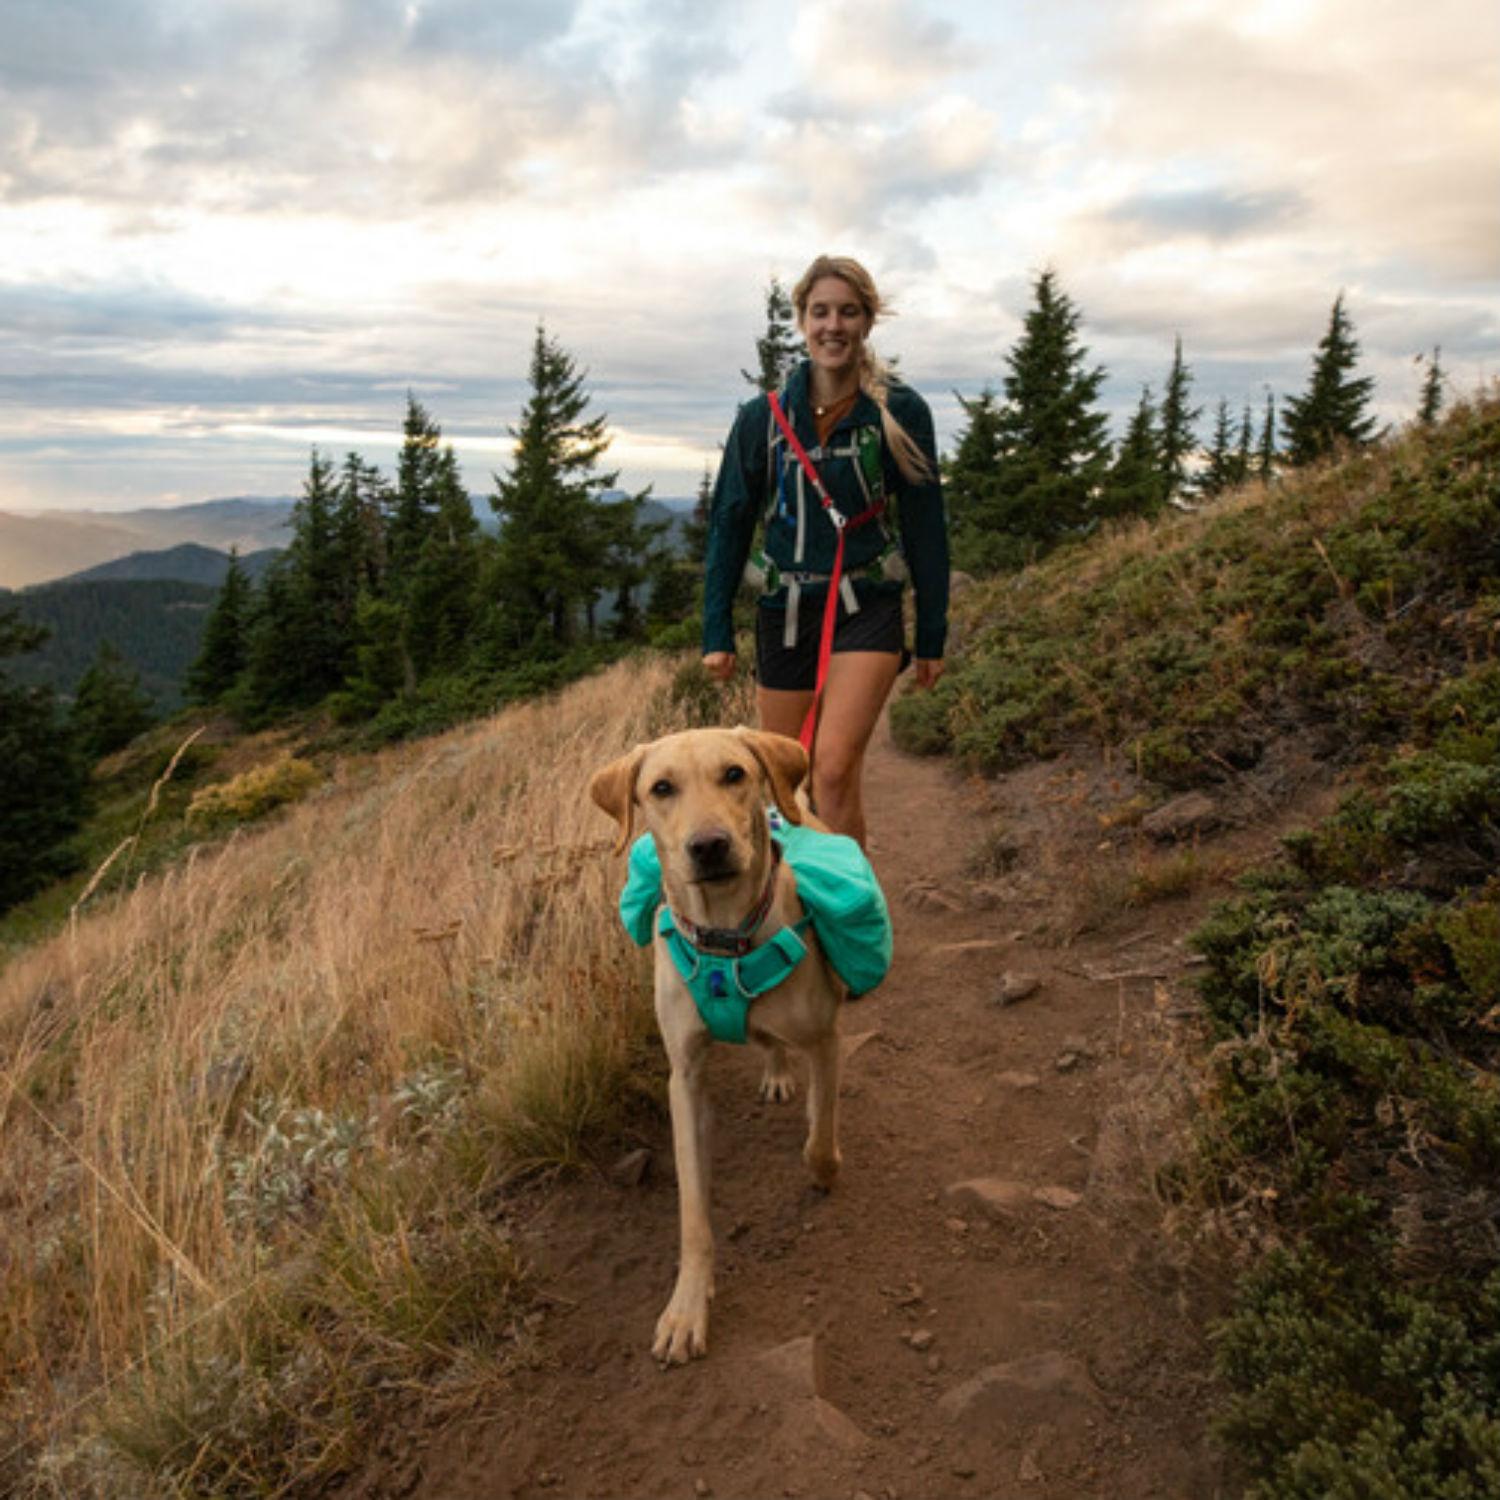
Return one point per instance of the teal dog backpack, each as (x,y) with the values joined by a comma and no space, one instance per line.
(843,903)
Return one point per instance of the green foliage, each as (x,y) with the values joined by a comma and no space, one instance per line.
(1332,411)
(1049,442)
(1136,486)
(41,780)
(1193,646)
(1177,420)
(254,793)
(778,348)
(110,708)
(223,655)
(1432,389)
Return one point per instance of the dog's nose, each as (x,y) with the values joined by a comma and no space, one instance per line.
(709,850)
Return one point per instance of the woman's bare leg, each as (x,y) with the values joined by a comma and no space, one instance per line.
(858,684)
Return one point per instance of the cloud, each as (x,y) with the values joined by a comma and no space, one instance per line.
(873,55)
(1213,213)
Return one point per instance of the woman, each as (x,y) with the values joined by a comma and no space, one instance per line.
(870,440)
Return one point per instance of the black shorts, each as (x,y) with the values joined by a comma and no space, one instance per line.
(875,626)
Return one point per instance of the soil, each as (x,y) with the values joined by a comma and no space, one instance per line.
(1037,1333)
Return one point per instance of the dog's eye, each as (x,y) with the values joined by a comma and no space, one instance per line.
(662,788)
(733,775)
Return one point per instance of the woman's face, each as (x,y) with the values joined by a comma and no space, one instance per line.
(834,324)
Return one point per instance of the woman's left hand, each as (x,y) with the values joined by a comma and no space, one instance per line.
(928,672)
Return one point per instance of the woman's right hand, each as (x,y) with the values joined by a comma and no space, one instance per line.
(719,665)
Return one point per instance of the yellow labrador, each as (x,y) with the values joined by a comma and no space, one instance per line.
(702,795)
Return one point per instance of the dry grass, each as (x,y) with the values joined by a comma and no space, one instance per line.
(256,1115)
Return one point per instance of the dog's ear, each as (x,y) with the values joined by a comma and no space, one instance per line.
(613,789)
(785,763)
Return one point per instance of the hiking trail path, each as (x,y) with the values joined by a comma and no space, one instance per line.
(1036,1333)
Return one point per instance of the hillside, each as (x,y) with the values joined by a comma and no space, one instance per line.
(42,546)
(157,624)
(186,563)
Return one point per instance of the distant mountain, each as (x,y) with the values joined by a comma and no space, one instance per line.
(157,625)
(188,563)
(42,546)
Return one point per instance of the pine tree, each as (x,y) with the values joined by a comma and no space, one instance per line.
(364,497)
(695,528)
(969,478)
(1332,410)
(1266,455)
(109,705)
(417,497)
(549,562)
(1244,453)
(1177,423)
(223,655)
(41,777)
(1432,388)
(1218,472)
(1136,486)
(778,349)
(442,600)
(1054,446)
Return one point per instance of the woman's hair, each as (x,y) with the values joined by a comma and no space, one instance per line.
(874,374)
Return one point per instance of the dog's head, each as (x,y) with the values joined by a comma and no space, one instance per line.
(702,796)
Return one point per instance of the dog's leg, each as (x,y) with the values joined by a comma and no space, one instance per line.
(778,1083)
(821,1153)
(682,1329)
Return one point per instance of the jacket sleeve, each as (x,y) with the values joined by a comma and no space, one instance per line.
(924,529)
(738,500)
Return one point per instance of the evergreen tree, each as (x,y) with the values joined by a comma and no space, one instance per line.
(1136,485)
(1217,473)
(1432,389)
(695,528)
(223,655)
(779,348)
(1054,448)
(1244,453)
(41,778)
(418,495)
(109,705)
(1266,456)
(630,562)
(442,601)
(1332,410)
(301,639)
(549,562)
(1178,439)
(359,525)
(969,478)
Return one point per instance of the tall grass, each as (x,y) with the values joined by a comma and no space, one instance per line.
(256,1115)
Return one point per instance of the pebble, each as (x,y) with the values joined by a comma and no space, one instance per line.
(921,1340)
(702,1488)
(1018,1080)
(934,1363)
(964,1471)
(1014,987)
(1057,1197)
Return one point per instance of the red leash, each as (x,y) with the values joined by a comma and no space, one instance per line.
(841,524)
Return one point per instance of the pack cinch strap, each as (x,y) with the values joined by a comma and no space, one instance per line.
(841,524)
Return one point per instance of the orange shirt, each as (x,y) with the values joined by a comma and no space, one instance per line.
(826,418)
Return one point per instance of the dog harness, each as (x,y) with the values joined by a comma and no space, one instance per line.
(723,970)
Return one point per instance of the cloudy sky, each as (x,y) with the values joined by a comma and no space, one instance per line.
(231,229)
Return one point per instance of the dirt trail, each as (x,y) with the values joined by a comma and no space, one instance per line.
(893,1339)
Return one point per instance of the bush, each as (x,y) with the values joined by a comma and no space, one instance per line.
(254,793)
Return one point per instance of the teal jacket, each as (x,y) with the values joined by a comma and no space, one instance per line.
(754,477)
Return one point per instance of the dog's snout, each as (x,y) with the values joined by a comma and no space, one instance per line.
(709,849)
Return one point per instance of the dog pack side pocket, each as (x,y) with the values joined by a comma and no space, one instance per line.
(642,893)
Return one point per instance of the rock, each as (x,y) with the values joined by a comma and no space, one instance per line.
(963,1471)
(921,1340)
(702,1488)
(1067,1061)
(1058,1197)
(934,1363)
(956,1226)
(1018,1080)
(1015,986)
(851,1044)
(1028,1473)
(991,1195)
(632,1168)
(1009,1393)
(1185,815)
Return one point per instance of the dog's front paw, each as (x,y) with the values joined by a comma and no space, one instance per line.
(822,1165)
(682,1329)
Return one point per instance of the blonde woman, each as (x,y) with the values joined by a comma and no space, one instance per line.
(867,440)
